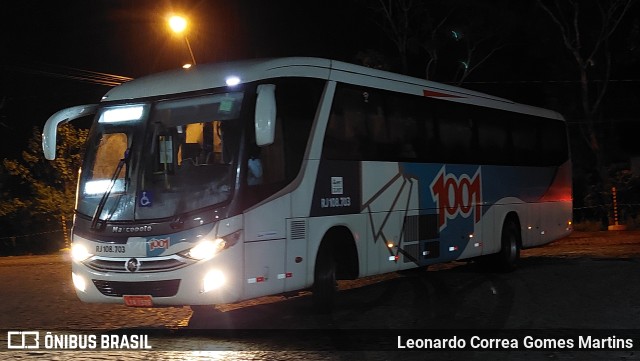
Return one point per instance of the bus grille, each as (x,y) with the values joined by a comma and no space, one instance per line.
(153,288)
(146,265)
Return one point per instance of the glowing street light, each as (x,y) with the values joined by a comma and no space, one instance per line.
(179,24)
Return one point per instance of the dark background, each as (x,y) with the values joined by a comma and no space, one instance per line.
(46,43)
(56,54)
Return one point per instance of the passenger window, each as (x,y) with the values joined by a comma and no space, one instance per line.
(346,135)
(524,137)
(492,141)
(455,138)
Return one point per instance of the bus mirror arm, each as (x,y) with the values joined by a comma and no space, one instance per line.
(265,120)
(49,133)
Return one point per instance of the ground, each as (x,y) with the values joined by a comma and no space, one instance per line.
(587,281)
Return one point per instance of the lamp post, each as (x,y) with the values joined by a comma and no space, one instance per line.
(179,24)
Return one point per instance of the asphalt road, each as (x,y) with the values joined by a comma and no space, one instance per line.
(588,281)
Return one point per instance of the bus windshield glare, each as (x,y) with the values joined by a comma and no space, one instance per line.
(177,153)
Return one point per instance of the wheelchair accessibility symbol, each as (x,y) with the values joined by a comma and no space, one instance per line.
(145,199)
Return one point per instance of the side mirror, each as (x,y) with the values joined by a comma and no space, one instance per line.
(49,133)
(265,120)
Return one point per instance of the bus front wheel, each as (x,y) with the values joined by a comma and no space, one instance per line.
(324,284)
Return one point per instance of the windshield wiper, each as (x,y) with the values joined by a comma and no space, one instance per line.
(105,195)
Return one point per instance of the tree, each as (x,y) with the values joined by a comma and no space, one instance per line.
(372,59)
(477,31)
(454,38)
(587,28)
(430,42)
(397,19)
(49,185)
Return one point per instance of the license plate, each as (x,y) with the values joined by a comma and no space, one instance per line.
(138,300)
(111,249)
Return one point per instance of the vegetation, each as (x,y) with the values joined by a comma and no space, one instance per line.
(39,197)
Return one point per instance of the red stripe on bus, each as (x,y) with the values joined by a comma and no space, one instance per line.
(431,93)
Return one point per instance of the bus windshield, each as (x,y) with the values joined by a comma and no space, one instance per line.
(178,156)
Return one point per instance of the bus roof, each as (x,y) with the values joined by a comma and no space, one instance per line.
(208,76)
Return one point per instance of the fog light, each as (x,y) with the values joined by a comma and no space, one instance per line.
(79,252)
(79,282)
(213,280)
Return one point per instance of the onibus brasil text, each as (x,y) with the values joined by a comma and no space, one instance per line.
(34,340)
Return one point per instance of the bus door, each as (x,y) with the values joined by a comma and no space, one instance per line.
(265,248)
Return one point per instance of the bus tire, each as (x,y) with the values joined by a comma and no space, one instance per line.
(324,284)
(507,258)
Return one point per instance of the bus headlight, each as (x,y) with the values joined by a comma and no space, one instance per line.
(79,252)
(207,249)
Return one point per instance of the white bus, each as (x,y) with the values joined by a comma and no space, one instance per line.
(232,181)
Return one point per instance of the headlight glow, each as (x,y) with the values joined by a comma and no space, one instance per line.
(79,282)
(79,252)
(213,280)
(206,249)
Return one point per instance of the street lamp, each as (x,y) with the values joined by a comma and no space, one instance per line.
(179,24)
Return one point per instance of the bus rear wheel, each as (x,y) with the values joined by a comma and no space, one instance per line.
(509,254)
(507,258)
(324,284)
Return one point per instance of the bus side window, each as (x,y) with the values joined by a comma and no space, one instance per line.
(394,128)
(456,137)
(272,158)
(492,140)
(524,142)
(355,134)
(553,142)
(346,136)
(420,130)
(380,145)
(335,142)
(254,165)
(274,165)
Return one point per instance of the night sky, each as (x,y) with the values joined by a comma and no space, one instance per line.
(42,39)
(45,42)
